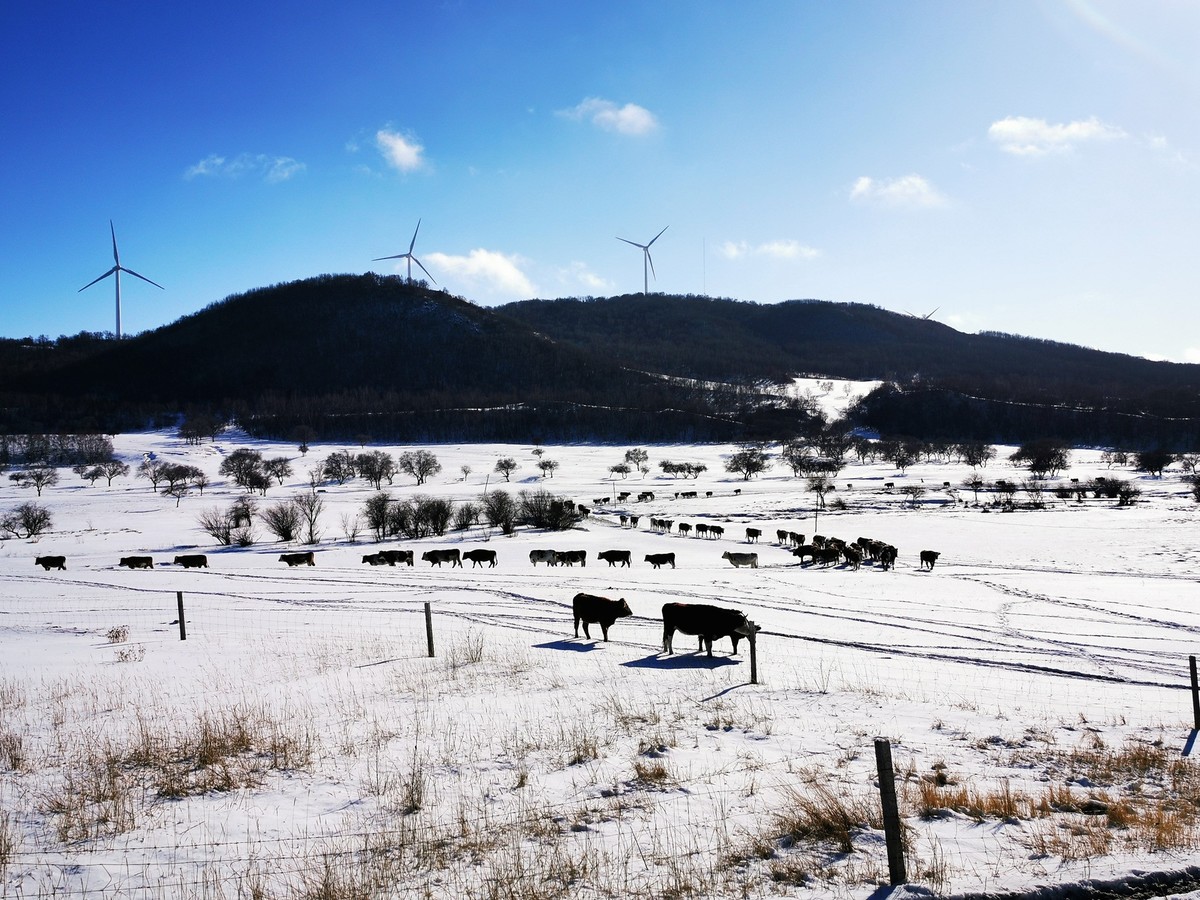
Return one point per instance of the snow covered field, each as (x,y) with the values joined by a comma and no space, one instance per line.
(300,742)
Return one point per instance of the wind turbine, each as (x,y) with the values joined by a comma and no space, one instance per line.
(409,256)
(646,261)
(117,269)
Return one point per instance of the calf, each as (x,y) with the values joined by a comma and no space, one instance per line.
(741,559)
(660,559)
(137,562)
(708,623)
(192,561)
(593,610)
(928,558)
(51,562)
(437,557)
(613,557)
(299,559)
(479,557)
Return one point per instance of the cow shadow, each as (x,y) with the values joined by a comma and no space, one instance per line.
(578,645)
(695,660)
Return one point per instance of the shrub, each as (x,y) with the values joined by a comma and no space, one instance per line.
(282,520)
(25,521)
(541,509)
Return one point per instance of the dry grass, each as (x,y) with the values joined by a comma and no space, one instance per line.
(824,817)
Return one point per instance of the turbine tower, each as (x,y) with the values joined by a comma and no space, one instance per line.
(647,262)
(117,269)
(409,256)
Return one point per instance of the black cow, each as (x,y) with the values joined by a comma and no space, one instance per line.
(479,557)
(613,557)
(437,557)
(570,557)
(393,557)
(137,562)
(929,557)
(660,559)
(299,559)
(51,562)
(590,609)
(752,535)
(192,561)
(708,623)
(375,559)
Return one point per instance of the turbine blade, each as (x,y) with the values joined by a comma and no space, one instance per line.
(143,277)
(639,246)
(397,256)
(101,278)
(116,258)
(657,236)
(650,259)
(425,270)
(413,243)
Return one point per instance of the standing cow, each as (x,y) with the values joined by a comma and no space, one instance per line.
(708,623)
(590,609)
(479,557)
(51,562)
(929,558)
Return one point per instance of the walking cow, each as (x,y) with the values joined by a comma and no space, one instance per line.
(590,609)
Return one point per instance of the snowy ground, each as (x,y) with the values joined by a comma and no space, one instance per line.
(300,742)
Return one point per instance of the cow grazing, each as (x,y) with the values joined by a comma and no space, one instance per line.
(137,562)
(615,557)
(741,559)
(752,535)
(375,559)
(437,557)
(192,561)
(708,623)
(549,557)
(51,562)
(658,560)
(299,559)
(479,557)
(592,610)
(928,558)
(394,557)
(887,557)
(570,557)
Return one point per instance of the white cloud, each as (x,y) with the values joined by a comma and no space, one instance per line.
(488,268)
(578,273)
(910,191)
(628,119)
(273,169)
(401,152)
(1191,355)
(777,249)
(1023,136)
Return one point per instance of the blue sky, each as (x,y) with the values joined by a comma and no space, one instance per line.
(1021,166)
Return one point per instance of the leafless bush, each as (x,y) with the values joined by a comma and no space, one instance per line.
(25,521)
(118,634)
(466,514)
(282,520)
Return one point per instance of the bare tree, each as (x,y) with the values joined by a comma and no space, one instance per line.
(38,477)
(310,507)
(114,468)
(820,485)
(25,521)
(621,469)
(506,467)
(282,520)
(547,466)
(747,462)
(420,464)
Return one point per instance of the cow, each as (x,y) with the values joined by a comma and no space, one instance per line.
(479,557)
(192,561)
(783,537)
(437,557)
(701,529)
(717,531)
(684,528)
(623,496)
(796,538)
(51,562)
(599,501)
(393,557)
(828,556)
(928,558)
(853,557)
(137,562)
(633,521)
(624,520)
(658,560)
(741,559)
(549,557)
(887,557)
(592,610)
(805,550)
(708,623)
(299,559)
(613,557)
(375,559)
(752,535)
(688,495)
(570,557)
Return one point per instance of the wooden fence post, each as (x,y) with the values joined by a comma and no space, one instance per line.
(429,627)
(891,812)
(1195,694)
(753,657)
(183,625)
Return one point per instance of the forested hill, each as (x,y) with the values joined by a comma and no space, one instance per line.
(730,340)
